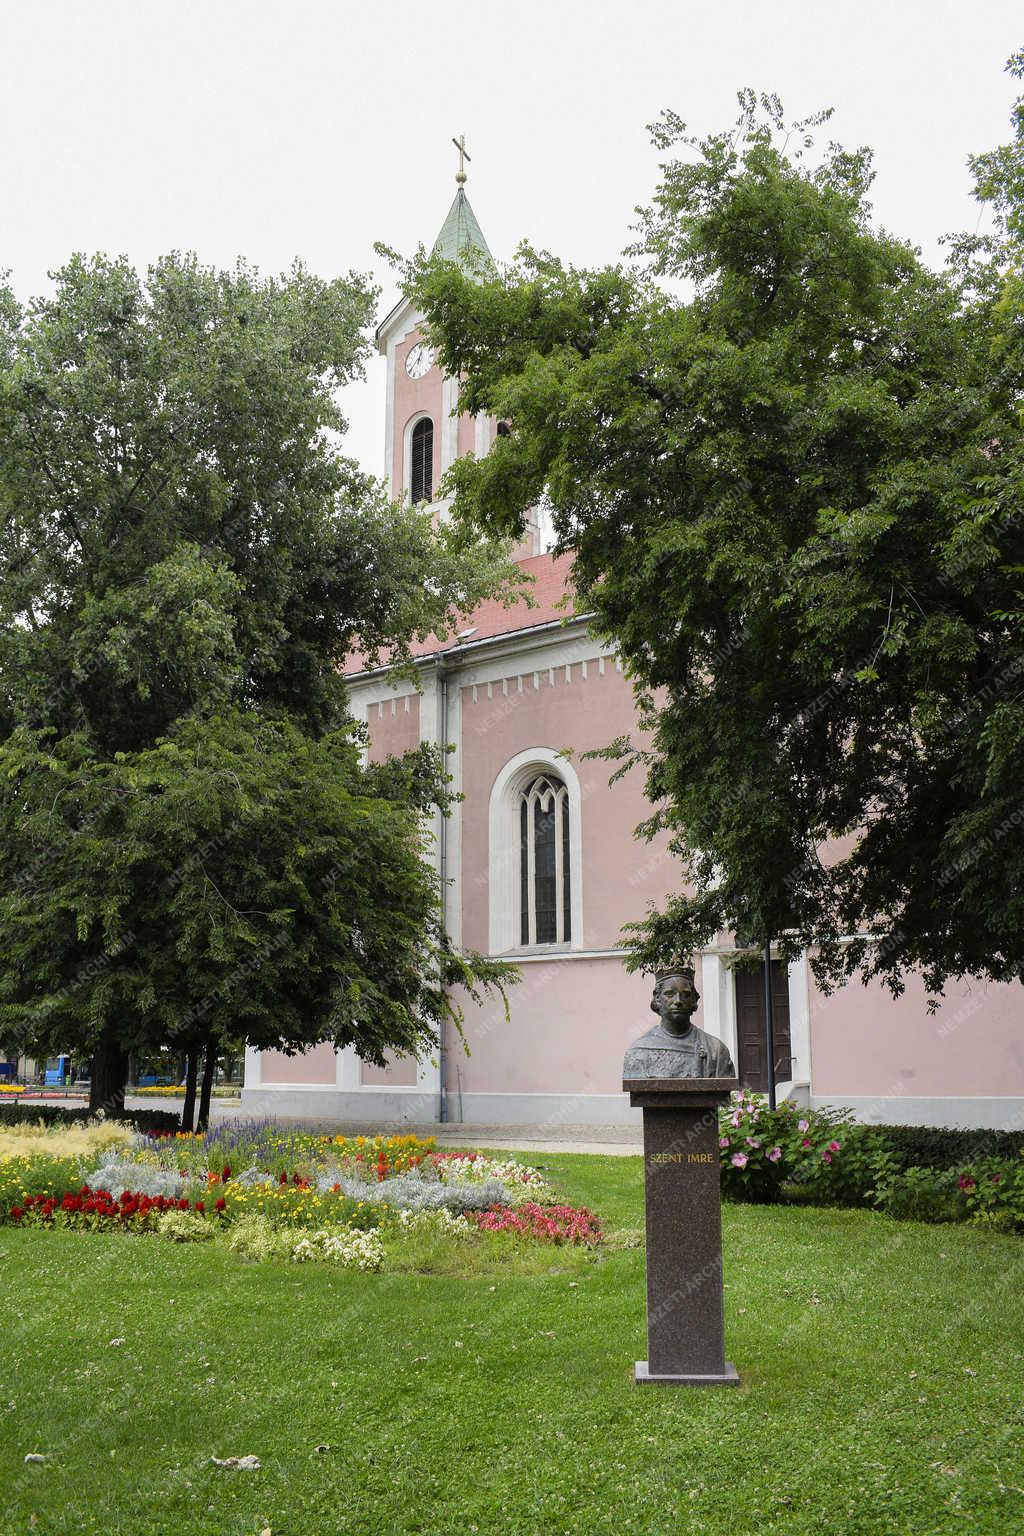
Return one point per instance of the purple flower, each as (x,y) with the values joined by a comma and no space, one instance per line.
(774,1154)
(826,1157)
(803,1125)
(833,1146)
(723,1141)
(739,1159)
(752,1141)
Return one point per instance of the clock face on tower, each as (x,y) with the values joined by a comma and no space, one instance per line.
(419,360)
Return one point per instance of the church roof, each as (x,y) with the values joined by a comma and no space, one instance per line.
(551,592)
(460,232)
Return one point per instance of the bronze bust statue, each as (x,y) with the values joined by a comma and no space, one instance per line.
(675,1047)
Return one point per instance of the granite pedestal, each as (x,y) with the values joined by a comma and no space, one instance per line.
(683,1209)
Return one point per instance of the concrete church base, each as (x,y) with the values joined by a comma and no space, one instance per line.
(384,1108)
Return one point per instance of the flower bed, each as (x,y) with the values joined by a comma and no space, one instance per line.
(176,1091)
(352,1201)
(94,1208)
(549,1224)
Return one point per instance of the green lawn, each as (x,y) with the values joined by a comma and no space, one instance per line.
(881,1366)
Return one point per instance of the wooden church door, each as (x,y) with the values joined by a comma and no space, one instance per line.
(751,1025)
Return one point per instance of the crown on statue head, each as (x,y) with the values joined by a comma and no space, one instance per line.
(682,968)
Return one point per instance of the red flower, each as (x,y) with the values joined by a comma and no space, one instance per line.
(17,1212)
(200,1207)
(226,1172)
(221,1203)
(283,1179)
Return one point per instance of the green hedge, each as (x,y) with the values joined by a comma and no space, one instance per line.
(53,1114)
(931,1146)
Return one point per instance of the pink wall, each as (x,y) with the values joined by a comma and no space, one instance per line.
(865,1042)
(315,1066)
(620,875)
(415,396)
(394,726)
(571,1022)
(400,1072)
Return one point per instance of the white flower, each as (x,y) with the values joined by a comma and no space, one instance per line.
(356,1250)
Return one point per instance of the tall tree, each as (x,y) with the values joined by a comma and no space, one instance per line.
(792,495)
(186,559)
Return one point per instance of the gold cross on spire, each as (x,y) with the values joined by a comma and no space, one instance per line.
(460,145)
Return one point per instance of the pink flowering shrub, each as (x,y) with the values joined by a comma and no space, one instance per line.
(821,1154)
(546,1223)
(992,1191)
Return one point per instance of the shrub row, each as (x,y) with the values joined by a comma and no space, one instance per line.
(931,1146)
(824,1157)
(54,1114)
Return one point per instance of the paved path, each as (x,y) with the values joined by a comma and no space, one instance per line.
(611,1140)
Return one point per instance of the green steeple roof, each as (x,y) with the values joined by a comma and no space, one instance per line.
(460,232)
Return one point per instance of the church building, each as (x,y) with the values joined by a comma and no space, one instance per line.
(541,867)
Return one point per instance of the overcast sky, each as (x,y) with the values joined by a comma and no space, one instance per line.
(312,128)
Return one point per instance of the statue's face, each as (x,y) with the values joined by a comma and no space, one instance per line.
(675,999)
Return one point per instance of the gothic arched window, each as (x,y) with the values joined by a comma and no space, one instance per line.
(545,876)
(421,475)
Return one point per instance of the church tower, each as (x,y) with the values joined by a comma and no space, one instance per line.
(424,432)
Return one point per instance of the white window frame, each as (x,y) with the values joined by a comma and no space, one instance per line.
(505,851)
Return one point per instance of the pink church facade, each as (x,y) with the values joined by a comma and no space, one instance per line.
(542,868)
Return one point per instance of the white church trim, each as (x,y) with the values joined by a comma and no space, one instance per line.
(449,423)
(390,335)
(505,851)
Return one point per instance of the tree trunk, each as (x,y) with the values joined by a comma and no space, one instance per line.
(209,1071)
(109,1076)
(188,1109)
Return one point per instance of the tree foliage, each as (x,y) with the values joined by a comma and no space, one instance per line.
(240,877)
(786,457)
(192,848)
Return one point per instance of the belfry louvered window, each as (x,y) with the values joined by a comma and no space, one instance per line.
(545,875)
(422,469)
